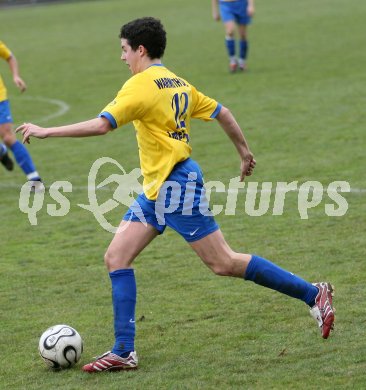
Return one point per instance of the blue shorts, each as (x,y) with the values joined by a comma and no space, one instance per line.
(5,114)
(234,11)
(182,205)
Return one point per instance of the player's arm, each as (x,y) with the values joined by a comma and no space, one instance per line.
(96,126)
(250,8)
(14,68)
(215,10)
(233,130)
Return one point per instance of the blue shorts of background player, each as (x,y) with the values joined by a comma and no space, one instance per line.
(234,11)
(5,114)
(181,205)
(235,15)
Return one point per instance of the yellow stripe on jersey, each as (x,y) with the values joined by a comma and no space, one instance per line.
(160,105)
(5,53)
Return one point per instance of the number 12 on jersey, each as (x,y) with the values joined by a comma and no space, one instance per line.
(179,106)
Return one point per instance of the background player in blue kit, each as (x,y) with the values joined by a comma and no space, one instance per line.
(235,13)
(161,105)
(21,154)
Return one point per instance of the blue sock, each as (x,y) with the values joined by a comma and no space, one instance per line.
(24,160)
(230,45)
(267,274)
(243,49)
(124,302)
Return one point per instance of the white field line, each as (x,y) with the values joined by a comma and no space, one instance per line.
(62,108)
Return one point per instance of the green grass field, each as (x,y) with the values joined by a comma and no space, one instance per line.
(302,107)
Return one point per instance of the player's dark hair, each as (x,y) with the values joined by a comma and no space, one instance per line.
(148,32)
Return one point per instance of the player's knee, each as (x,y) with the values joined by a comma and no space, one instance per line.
(8,137)
(107,259)
(114,262)
(222,268)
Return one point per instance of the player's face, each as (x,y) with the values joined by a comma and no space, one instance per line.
(130,57)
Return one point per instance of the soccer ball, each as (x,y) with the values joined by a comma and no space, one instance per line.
(60,346)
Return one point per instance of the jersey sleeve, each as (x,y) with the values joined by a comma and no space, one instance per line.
(5,53)
(204,107)
(127,106)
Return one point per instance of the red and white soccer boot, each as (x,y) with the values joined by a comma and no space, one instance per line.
(323,311)
(112,362)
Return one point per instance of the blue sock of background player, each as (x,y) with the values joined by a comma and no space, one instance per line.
(230,46)
(243,44)
(24,160)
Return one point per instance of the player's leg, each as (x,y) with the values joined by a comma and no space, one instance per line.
(125,246)
(5,159)
(231,45)
(228,19)
(243,46)
(221,259)
(130,239)
(243,21)
(192,220)
(20,152)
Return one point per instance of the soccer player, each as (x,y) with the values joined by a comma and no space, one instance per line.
(235,13)
(21,154)
(161,106)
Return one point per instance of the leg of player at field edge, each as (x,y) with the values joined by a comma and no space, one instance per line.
(5,159)
(20,152)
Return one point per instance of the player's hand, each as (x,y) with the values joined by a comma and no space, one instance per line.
(216,16)
(29,130)
(19,82)
(247,166)
(250,11)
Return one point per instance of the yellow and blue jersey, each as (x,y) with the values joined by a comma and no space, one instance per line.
(160,105)
(5,53)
